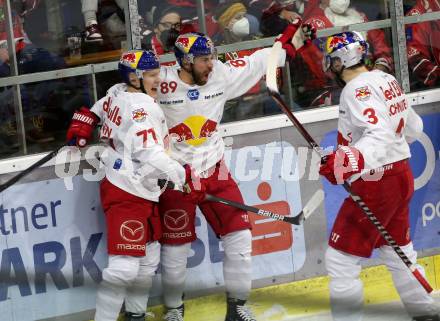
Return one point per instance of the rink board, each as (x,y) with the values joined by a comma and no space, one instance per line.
(53,246)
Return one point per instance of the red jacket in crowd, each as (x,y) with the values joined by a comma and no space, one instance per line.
(424,44)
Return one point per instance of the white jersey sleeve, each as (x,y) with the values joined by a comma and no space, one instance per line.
(414,126)
(113,91)
(243,73)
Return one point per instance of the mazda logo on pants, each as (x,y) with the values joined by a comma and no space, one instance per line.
(132,231)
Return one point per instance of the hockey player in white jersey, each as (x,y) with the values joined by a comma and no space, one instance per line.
(193,98)
(376,124)
(135,130)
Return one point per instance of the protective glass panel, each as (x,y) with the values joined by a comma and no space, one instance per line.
(423,46)
(48,107)
(53,34)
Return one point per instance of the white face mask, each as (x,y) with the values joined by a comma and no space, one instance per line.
(339,6)
(241,27)
(299,6)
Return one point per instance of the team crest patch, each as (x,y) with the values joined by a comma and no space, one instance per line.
(139,115)
(193,94)
(412,52)
(363,93)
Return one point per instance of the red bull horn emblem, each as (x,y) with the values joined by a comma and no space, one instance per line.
(183,42)
(363,93)
(194,130)
(129,57)
(139,115)
(336,40)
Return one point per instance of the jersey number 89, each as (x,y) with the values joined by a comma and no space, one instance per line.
(165,87)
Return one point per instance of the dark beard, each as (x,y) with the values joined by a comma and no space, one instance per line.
(197,79)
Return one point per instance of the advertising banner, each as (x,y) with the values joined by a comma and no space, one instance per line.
(425,204)
(53,238)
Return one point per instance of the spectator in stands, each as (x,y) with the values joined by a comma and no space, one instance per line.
(424,45)
(235,23)
(167,24)
(308,80)
(330,13)
(187,10)
(89,10)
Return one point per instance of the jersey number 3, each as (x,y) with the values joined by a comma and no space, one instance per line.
(371,114)
(372,119)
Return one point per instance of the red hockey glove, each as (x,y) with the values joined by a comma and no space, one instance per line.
(286,37)
(81,127)
(341,164)
(194,189)
(295,36)
(309,33)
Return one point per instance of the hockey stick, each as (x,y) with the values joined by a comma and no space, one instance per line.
(25,172)
(274,93)
(307,210)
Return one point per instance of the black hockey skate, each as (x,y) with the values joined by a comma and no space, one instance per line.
(237,311)
(427,318)
(175,314)
(129,316)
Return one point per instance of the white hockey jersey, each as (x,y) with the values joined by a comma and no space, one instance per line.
(193,113)
(135,130)
(376,118)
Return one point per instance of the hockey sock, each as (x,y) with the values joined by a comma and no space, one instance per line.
(346,289)
(136,299)
(413,296)
(237,264)
(173,259)
(119,274)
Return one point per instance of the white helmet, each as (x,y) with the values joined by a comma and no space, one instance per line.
(345,50)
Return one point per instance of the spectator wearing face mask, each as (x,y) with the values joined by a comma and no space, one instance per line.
(235,23)
(166,26)
(332,13)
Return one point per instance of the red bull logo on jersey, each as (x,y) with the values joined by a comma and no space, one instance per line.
(139,115)
(194,130)
(363,93)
